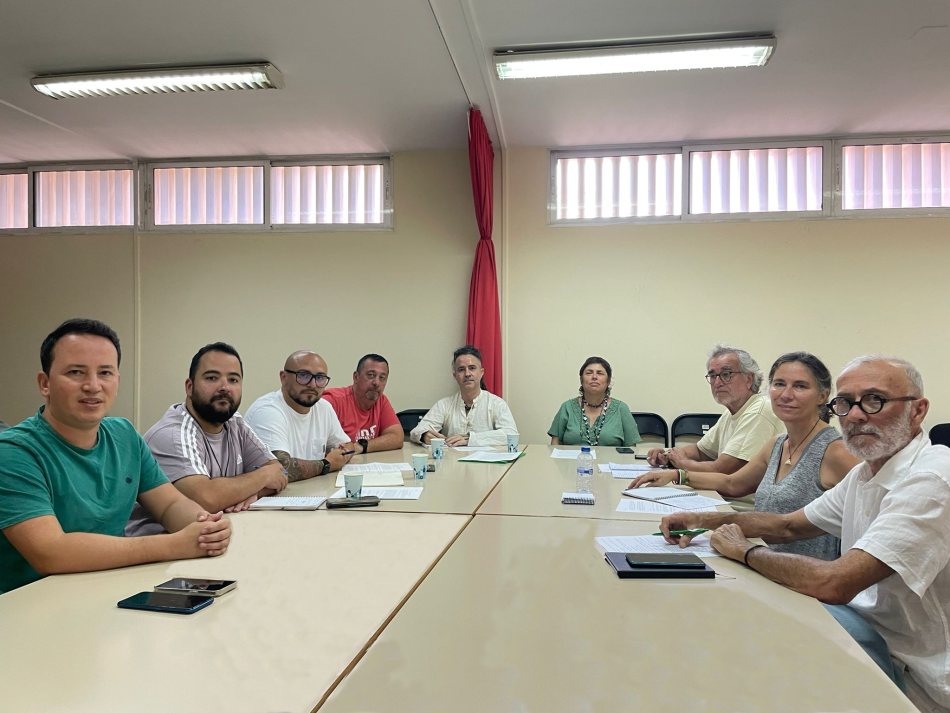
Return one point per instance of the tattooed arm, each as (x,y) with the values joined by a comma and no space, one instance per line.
(298,468)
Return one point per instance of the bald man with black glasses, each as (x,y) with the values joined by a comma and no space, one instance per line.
(297,424)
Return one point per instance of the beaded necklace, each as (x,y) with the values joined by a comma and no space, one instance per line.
(598,422)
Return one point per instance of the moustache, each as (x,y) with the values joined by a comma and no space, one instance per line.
(858,430)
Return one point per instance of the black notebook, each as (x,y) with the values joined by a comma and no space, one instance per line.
(618,560)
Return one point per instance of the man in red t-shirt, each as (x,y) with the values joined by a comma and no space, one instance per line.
(365,414)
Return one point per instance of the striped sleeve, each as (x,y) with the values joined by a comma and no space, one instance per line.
(179,449)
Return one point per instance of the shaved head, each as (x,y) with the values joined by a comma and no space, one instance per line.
(303,356)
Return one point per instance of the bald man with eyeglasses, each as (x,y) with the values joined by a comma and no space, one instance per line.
(301,429)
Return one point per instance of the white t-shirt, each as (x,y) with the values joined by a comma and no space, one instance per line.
(901,516)
(303,435)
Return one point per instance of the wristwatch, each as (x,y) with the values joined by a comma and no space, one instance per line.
(365,443)
(326,467)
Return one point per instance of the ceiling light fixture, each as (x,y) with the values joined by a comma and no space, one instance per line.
(644,57)
(160,81)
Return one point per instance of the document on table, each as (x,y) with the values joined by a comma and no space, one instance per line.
(297,502)
(385,493)
(686,500)
(472,449)
(655,544)
(565,453)
(378,479)
(491,457)
(626,470)
(655,507)
(375,467)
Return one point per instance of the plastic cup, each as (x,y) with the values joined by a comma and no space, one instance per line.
(419,463)
(353,483)
(512,442)
(438,448)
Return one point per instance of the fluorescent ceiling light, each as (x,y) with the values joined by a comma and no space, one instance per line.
(160,81)
(651,57)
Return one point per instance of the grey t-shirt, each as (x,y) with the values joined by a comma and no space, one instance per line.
(182,449)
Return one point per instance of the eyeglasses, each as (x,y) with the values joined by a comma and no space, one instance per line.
(305,377)
(869,403)
(725,376)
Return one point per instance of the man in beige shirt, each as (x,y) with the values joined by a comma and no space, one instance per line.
(745,426)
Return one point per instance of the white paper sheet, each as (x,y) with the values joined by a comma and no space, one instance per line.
(648,493)
(489,456)
(572,454)
(473,449)
(633,505)
(379,480)
(695,503)
(650,544)
(375,467)
(385,493)
(631,466)
(297,502)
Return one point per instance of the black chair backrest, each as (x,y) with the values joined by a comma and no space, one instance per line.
(410,418)
(940,434)
(692,424)
(652,424)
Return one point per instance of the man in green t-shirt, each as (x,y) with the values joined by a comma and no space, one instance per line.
(69,476)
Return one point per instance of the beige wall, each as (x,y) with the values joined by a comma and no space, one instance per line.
(46,279)
(653,299)
(401,293)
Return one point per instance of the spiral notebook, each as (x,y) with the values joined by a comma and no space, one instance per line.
(682,499)
(577,498)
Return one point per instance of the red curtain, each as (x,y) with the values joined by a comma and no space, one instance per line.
(484,320)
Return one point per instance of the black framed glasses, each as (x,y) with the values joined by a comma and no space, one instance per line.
(725,376)
(869,403)
(305,377)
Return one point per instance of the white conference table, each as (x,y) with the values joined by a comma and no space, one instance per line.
(523,615)
(535,486)
(455,487)
(313,589)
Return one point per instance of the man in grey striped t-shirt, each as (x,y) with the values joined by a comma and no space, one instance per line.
(204,446)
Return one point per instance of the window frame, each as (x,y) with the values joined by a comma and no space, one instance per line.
(603,152)
(827,178)
(14,170)
(384,160)
(850,214)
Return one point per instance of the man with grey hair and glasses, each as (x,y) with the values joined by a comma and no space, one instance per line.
(745,426)
(891,586)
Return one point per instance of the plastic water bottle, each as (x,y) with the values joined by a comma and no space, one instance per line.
(585,470)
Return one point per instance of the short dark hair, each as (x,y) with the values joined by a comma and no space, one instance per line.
(370,357)
(78,326)
(597,360)
(467,349)
(817,369)
(216,347)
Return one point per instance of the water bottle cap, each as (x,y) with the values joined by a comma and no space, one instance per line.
(585,449)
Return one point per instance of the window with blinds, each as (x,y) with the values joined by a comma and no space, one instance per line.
(208,195)
(760,180)
(336,194)
(83,198)
(14,200)
(895,176)
(620,188)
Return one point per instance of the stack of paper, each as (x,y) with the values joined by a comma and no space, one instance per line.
(626,470)
(375,467)
(661,508)
(567,453)
(491,457)
(380,479)
(385,493)
(643,544)
(679,499)
(288,503)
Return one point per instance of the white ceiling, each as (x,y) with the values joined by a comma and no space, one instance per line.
(376,76)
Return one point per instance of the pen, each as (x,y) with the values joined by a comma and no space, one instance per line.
(348,453)
(698,531)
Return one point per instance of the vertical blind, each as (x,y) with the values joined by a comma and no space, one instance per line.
(83,198)
(214,195)
(619,186)
(756,180)
(14,200)
(895,176)
(327,194)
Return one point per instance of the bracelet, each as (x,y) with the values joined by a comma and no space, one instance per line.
(745,559)
(683,477)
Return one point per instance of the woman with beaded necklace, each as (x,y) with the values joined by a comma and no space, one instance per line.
(594,418)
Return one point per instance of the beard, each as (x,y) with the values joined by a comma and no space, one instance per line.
(888,440)
(212,413)
(304,399)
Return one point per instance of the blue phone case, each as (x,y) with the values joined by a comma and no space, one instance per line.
(166,602)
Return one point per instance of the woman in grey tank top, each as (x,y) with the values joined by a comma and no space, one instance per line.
(793,468)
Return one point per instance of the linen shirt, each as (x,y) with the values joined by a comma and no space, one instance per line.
(901,516)
(488,422)
(743,433)
(619,428)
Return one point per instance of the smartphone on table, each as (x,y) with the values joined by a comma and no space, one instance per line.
(625,450)
(166,602)
(206,587)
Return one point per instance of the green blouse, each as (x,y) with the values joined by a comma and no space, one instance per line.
(619,427)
